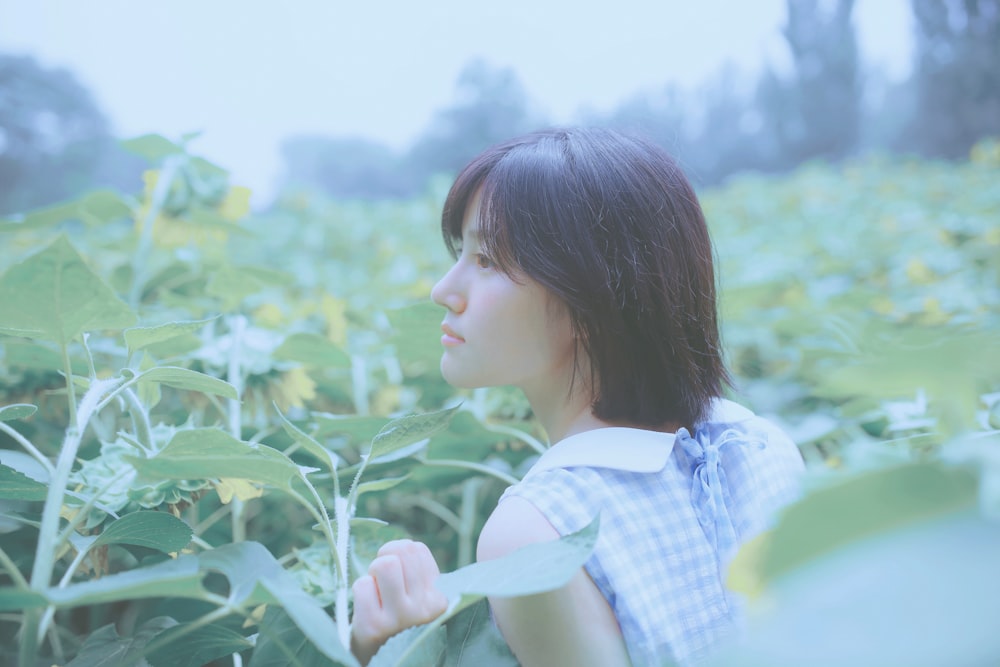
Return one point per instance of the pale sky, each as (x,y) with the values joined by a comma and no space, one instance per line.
(249,73)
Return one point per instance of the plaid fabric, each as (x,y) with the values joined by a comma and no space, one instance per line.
(674,510)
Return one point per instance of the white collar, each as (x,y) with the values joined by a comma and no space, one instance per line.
(628,449)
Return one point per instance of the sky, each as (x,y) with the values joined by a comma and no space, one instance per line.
(247,74)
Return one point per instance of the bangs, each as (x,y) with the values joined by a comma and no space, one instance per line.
(481,178)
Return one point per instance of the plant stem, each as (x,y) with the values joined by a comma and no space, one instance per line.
(519,434)
(140,263)
(140,420)
(467,527)
(11,568)
(234,374)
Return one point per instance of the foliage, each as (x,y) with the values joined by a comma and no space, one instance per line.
(956,78)
(54,140)
(211,420)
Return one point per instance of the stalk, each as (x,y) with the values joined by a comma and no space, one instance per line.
(139,267)
(237,326)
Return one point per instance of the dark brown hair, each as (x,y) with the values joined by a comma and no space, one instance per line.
(609,225)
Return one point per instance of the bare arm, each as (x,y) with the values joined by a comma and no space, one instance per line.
(570,626)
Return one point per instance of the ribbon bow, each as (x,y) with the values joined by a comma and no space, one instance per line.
(709,487)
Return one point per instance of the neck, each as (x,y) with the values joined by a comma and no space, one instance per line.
(563,416)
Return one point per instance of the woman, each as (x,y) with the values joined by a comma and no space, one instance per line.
(584,276)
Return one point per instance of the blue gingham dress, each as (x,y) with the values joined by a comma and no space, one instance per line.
(674,510)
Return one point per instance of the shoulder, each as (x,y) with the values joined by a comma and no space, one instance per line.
(513,524)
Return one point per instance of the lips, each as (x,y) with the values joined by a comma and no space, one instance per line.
(450,336)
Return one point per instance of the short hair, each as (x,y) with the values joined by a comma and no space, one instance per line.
(609,225)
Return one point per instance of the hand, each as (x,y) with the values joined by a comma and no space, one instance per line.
(397,593)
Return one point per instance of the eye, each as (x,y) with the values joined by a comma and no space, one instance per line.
(484,262)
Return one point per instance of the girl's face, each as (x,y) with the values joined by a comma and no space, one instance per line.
(497,331)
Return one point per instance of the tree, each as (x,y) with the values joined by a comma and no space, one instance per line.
(957,75)
(54,140)
(345,167)
(816,112)
(492,106)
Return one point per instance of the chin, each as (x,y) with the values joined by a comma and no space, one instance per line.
(456,378)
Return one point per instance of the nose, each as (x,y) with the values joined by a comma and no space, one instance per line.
(448,292)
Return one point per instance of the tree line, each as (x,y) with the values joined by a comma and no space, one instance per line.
(54,141)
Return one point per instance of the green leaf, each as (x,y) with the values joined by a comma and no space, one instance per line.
(535,568)
(277,629)
(209,453)
(357,428)
(925,593)
(40,355)
(153,147)
(184,378)
(400,433)
(474,640)
(312,349)
(178,577)
(55,294)
(17,486)
(137,338)
(255,577)
(863,506)
(18,599)
(103,206)
(232,284)
(105,648)
(308,443)
(381,484)
(402,650)
(182,647)
(16,411)
(155,530)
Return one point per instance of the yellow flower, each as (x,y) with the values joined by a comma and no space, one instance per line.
(334,310)
(227,487)
(294,387)
(918,272)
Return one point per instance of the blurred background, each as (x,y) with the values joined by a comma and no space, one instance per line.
(258,186)
(370,100)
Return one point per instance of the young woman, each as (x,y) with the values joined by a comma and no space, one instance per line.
(584,276)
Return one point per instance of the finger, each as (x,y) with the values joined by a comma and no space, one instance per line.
(387,571)
(420,570)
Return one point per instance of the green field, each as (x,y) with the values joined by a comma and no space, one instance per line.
(200,407)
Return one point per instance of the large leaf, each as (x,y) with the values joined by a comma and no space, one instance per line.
(474,640)
(153,147)
(308,443)
(862,506)
(54,295)
(255,577)
(137,338)
(171,578)
(313,350)
(18,486)
(282,644)
(400,433)
(208,453)
(535,568)
(185,378)
(416,647)
(922,595)
(155,530)
(179,646)
(105,648)
(16,411)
